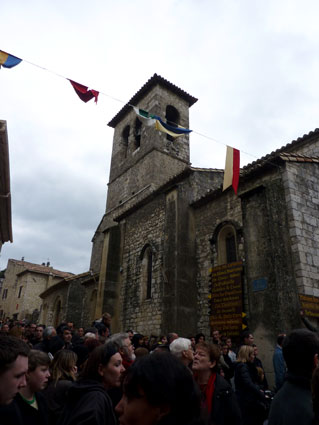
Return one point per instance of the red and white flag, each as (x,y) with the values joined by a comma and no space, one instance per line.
(231,175)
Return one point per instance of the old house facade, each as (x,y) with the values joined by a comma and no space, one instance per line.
(22,285)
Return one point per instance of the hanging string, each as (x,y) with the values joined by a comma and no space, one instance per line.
(125,103)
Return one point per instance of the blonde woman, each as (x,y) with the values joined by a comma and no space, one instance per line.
(250,397)
(63,374)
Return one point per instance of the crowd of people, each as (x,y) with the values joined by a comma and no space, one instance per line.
(68,376)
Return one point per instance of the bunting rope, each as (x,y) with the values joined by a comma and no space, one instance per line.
(9,61)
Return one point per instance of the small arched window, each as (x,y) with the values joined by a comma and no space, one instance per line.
(125,139)
(172,118)
(227,245)
(137,133)
(146,272)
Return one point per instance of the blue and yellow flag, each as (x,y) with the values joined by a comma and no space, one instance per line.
(160,125)
(8,61)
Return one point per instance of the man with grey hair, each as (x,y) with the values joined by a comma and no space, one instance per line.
(124,344)
(182,349)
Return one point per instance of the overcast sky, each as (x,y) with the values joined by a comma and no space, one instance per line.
(253,66)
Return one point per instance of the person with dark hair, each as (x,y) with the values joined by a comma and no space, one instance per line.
(200,337)
(216,337)
(63,373)
(249,394)
(88,402)
(219,402)
(67,338)
(13,367)
(152,397)
(258,364)
(279,362)
(247,338)
(38,335)
(49,333)
(293,402)
(137,340)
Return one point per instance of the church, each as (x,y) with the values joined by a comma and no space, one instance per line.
(174,252)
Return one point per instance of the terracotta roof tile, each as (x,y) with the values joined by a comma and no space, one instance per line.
(37,268)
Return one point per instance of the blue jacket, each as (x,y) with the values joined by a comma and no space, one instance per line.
(279,367)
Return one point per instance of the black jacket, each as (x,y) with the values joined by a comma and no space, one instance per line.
(87,404)
(292,405)
(251,399)
(21,413)
(225,409)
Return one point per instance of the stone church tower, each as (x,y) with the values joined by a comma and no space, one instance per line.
(143,159)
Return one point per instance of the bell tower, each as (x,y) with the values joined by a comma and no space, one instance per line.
(144,158)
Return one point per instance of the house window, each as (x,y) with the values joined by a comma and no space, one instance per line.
(172,118)
(146,272)
(125,138)
(137,133)
(227,245)
(5,294)
(20,290)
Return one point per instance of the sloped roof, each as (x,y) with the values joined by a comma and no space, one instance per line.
(37,268)
(288,148)
(83,278)
(153,81)
(285,153)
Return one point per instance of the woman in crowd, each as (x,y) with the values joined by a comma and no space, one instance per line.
(88,402)
(137,340)
(158,390)
(63,374)
(250,396)
(219,403)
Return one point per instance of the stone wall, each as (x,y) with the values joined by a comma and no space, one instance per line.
(302,198)
(225,208)
(143,227)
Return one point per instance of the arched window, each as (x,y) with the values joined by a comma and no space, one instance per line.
(125,138)
(227,245)
(172,118)
(137,133)
(146,272)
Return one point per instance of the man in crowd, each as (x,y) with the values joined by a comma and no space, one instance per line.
(48,333)
(182,349)
(293,402)
(247,338)
(13,368)
(124,344)
(4,329)
(279,362)
(38,335)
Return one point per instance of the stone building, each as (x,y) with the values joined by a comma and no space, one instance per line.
(22,285)
(71,298)
(168,224)
(5,194)
(173,252)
